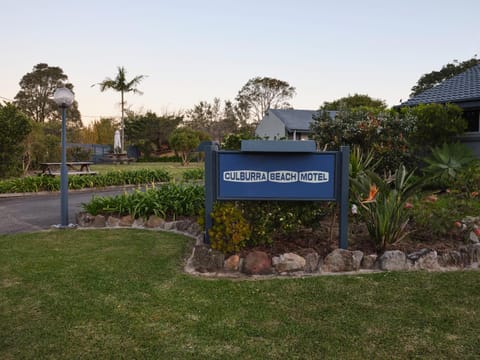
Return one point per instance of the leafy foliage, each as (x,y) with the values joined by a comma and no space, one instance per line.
(184,140)
(168,201)
(150,132)
(270,219)
(50,183)
(193,174)
(353,102)
(230,230)
(15,127)
(382,205)
(384,133)
(447,162)
(262,93)
(36,92)
(122,85)
(435,124)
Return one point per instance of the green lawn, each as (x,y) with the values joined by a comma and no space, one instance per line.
(122,294)
(174,168)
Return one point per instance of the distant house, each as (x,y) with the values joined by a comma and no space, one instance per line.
(464,91)
(287,124)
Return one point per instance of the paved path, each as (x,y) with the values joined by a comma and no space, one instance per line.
(34,212)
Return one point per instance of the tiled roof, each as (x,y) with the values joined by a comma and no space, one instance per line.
(298,120)
(460,88)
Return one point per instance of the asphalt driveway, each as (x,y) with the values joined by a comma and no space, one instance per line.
(33,212)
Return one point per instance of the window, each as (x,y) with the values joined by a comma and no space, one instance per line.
(473,120)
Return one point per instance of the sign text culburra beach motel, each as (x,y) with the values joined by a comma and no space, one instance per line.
(277,176)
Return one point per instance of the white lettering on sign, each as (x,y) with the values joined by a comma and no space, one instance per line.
(316,177)
(249,176)
(279,176)
(283,176)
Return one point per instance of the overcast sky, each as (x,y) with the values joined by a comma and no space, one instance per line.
(197,50)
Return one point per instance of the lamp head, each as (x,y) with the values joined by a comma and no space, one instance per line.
(63,97)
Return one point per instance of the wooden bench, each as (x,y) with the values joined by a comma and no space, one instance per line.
(74,168)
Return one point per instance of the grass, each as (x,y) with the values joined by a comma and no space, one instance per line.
(174,168)
(122,294)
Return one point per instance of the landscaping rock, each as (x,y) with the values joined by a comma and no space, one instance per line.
(473,238)
(312,259)
(113,221)
(205,259)
(369,262)
(340,260)
(232,263)
(99,221)
(424,259)
(288,262)
(451,259)
(84,219)
(154,221)
(257,263)
(194,229)
(170,225)
(182,225)
(126,220)
(393,260)
(138,223)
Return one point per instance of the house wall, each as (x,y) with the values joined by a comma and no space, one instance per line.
(271,128)
(472,141)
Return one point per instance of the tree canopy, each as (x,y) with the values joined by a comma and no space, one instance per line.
(150,132)
(36,92)
(353,102)
(435,77)
(15,127)
(122,85)
(262,93)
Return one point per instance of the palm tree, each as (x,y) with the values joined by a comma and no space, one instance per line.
(121,84)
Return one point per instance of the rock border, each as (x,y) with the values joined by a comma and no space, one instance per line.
(205,261)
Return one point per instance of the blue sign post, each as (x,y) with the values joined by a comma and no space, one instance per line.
(277,170)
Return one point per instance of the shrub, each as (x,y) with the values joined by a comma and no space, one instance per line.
(230,230)
(447,163)
(434,216)
(383,132)
(49,183)
(382,205)
(193,174)
(168,201)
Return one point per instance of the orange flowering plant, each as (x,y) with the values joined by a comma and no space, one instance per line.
(383,204)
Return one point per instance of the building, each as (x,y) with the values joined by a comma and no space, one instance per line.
(287,124)
(462,90)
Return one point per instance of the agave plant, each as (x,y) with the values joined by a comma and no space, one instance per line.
(446,162)
(382,204)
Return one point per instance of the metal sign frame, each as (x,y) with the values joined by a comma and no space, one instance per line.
(274,150)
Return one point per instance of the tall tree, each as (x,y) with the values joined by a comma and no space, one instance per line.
(262,93)
(150,132)
(122,85)
(353,102)
(35,97)
(15,127)
(435,77)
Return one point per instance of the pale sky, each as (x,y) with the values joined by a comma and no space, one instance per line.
(197,50)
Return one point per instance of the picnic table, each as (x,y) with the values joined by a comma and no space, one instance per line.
(74,168)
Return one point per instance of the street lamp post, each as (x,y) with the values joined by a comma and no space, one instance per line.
(63,97)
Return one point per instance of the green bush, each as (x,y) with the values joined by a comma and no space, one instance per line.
(434,216)
(269,219)
(382,205)
(50,183)
(230,230)
(168,201)
(447,163)
(193,174)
